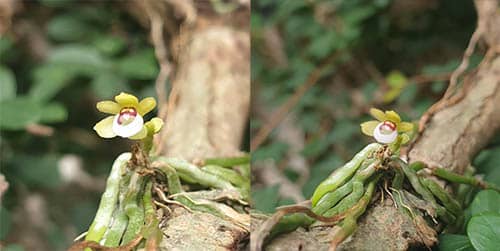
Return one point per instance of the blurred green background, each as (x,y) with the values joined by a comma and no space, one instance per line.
(57,60)
(389,54)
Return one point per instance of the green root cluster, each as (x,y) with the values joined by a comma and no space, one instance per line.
(344,196)
(141,188)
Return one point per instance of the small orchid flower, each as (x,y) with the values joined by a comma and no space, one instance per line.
(127,117)
(387,127)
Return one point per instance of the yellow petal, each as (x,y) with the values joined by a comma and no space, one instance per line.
(405,127)
(127,100)
(156,124)
(392,116)
(108,107)
(141,134)
(104,128)
(146,105)
(404,138)
(378,114)
(368,127)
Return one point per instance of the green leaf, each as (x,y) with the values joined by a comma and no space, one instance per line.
(487,162)
(49,79)
(454,242)
(266,199)
(109,45)
(82,59)
(358,14)
(7,84)
(485,201)
(438,86)
(275,151)
(443,68)
(107,85)
(38,170)
(5,46)
(19,112)
(396,79)
(318,145)
(323,45)
(484,231)
(141,65)
(68,28)
(54,112)
(408,94)
(13,247)
(56,3)
(5,222)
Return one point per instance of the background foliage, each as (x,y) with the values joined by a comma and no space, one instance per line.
(59,58)
(388,54)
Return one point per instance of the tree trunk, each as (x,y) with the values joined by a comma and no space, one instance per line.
(209,120)
(208,111)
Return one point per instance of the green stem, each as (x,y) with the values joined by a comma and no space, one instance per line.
(289,223)
(457,178)
(174,183)
(232,176)
(417,165)
(195,174)
(367,169)
(342,174)
(443,196)
(348,225)
(349,201)
(464,191)
(150,231)
(120,219)
(147,143)
(199,205)
(245,171)
(399,176)
(109,200)
(174,187)
(228,162)
(415,182)
(133,208)
(330,199)
(227,174)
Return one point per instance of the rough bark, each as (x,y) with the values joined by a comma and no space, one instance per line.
(452,138)
(208,121)
(213,84)
(208,113)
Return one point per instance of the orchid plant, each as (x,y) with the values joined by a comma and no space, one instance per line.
(127,214)
(344,195)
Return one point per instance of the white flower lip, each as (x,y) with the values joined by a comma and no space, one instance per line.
(130,129)
(384,138)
